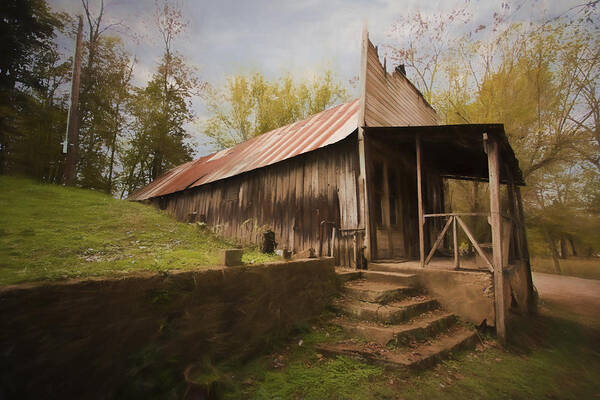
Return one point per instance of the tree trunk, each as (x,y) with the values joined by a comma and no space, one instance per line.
(553,251)
(573,250)
(563,248)
(112,153)
(3,147)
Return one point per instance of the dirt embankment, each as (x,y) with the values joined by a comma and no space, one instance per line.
(87,339)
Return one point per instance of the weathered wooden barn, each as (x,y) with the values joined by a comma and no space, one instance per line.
(363,181)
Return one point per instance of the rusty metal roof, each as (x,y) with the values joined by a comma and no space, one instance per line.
(319,130)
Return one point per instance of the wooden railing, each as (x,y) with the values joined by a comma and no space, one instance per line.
(453,219)
(346,245)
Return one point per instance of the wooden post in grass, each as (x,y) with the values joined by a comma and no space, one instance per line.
(71,143)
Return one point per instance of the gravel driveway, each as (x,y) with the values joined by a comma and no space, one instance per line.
(573,297)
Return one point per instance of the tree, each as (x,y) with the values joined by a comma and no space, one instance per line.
(424,40)
(160,110)
(105,90)
(28,28)
(248,106)
(537,90)
(541,81)
(41,120)
(586,55)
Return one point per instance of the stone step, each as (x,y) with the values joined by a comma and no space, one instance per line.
(377,292)
(391,267)
(421,356)
(390,277)
(422,327)
(346,275)
(391,313)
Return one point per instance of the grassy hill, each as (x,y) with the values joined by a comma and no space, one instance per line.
(51,232)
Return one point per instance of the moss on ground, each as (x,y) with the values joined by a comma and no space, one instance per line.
(547,358)
(50,232)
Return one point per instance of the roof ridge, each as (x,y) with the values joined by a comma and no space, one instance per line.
(328,126)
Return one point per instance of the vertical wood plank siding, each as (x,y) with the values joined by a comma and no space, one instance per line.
(291,198)
(391,100)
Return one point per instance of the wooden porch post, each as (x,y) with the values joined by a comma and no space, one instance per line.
(522,233)
(496,223)
(519,236)
(455,243)
(420,203)
(363,192)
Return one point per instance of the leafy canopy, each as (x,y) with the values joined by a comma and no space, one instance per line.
(250,105)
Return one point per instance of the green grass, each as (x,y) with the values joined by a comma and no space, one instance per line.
(582,267)
(50,232)
(295,370)
(547,358)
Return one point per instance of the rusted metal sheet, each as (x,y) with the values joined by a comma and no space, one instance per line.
(319,130)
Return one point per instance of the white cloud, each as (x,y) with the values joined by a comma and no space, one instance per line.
(232,36)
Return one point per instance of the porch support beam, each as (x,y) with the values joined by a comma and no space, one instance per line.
(438,241)
(522,235)
(363,187)
(420,203)
(455,243)
(493,154)
(474,242)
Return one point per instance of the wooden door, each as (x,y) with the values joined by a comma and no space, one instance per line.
(387,210)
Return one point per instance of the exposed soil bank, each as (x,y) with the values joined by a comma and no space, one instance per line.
(88,339)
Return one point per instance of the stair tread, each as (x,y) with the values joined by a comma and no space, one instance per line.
(346,275)
(421,354)
(362,284)
(384,273)
(393,306)
(430,323)
(419,321)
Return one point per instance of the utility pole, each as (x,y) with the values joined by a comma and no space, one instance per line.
(71,142)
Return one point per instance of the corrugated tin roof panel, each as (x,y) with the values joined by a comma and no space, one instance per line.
(322,129)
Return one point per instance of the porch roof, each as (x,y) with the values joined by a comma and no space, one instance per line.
(456,151)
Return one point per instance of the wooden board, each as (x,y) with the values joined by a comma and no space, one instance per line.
(391,99)
(291,198)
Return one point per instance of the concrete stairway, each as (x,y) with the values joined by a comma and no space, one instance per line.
(391,321)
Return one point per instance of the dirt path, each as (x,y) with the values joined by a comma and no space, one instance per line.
(574,298)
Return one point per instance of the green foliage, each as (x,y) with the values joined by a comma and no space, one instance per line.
(53,232)
(540,80)
(127,136)
(31,70)
(159,141)
(248,106)
(28,27)
(105,93)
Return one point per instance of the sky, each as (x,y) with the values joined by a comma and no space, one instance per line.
(274,37)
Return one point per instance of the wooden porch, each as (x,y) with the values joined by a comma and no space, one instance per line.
(468,263)
(460,152)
